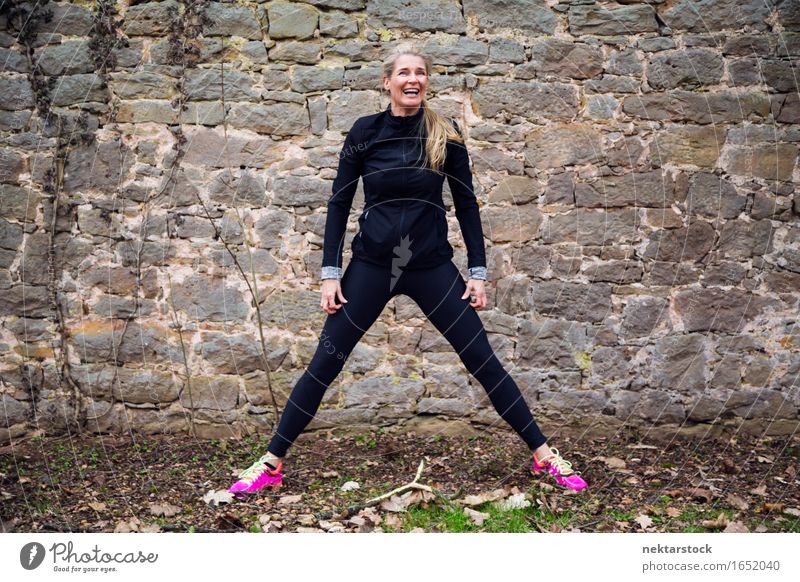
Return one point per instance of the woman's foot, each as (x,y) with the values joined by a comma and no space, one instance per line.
(550,459)
(265,472)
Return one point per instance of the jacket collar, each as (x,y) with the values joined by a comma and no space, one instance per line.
(404,121)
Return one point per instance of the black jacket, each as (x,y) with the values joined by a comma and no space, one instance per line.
(403,223)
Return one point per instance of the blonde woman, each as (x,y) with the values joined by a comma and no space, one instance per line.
(403,155)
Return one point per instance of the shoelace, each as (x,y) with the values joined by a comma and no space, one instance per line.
(254,470)
(564,467)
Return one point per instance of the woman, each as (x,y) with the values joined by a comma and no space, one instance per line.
(403,155)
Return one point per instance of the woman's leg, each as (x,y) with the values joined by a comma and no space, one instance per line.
(366,288)
(438,292)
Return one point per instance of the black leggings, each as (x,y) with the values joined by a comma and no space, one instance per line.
(438,292)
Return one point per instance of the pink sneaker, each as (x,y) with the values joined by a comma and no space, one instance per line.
(258,475)
(561,470)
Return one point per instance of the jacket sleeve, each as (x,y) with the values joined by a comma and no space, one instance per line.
(339,204)
(459,178)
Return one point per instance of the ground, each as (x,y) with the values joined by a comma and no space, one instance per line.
(166,483)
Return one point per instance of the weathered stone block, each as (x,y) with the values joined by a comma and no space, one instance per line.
(715,309)
(601,21)
(563,145)
(495,14)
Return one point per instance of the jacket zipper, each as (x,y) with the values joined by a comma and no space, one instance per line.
(361,232)
(405,189)
(402,216)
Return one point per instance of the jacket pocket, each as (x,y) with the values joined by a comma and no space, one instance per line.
(376,233)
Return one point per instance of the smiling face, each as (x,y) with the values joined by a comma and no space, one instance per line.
(407,84)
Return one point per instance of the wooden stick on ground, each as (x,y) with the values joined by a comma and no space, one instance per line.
(347,512)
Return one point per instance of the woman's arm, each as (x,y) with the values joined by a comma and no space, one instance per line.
(459,178)
(344,188)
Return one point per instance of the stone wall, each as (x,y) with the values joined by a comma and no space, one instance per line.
(166,168)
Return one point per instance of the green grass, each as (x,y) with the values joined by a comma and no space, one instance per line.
(789,524)
(367,441)
(437,518)
(41,505)
(696,516)
(619,515)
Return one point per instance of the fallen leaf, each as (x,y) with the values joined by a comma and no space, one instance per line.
(401,503)
(760,490)
(306,519)
(370,514)
(514,502)
(420,496)
(216,498)
(150,528)
(765,459)
(394,504)
(356,520)
(477,517)
(131,525)
(417,530)
(761,528)
(392,520)
(165,509)
(328,474)
(640,446)
(771,507)
(699,493)
(737,502)
(720,522)
(736,527)
(614,463)
(302,529)
(350,486)
(644,521)
(729,467)
(673,511)
(97,506)
(792,511)
(484,497)
(289,499)
(123,527)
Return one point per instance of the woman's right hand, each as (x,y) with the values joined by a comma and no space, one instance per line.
(331,289)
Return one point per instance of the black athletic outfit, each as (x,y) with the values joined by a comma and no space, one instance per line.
(402,197)
(401,248)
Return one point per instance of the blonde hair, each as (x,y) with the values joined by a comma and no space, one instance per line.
(437,127)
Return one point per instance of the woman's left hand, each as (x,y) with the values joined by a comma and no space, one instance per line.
(475,288)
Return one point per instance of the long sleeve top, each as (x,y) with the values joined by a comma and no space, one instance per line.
(403,223)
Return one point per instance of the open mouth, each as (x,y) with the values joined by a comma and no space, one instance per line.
(411,92)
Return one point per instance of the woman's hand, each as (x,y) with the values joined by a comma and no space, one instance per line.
(475,287)
(331,289)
